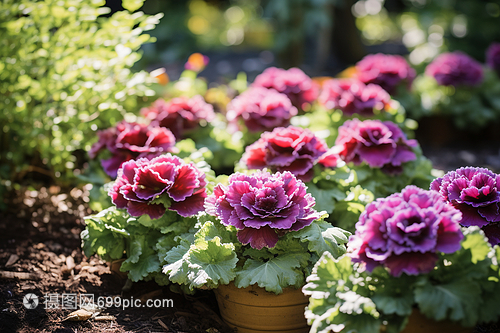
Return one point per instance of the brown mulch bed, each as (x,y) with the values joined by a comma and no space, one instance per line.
(40,254)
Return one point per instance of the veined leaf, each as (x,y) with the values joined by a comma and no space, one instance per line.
(212,263)
(321,237)
(273,275)
(458,300)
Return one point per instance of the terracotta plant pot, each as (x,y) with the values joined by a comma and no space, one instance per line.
(254,310)
(114,267)
(419,323)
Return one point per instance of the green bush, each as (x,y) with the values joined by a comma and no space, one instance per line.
(65,72)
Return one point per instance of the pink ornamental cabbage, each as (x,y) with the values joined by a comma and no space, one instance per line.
(455,69)
(352,96)
(404,232)
(180,114)
(476,193)
(294,83)
(293,149)
(128,141)
(151,186)
(379,144)
(262,206)
(386,70)
(261,109)
(493,57)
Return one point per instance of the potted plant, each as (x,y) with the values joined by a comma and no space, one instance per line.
(457,97)
(258,239)
(409,261)
(154,200)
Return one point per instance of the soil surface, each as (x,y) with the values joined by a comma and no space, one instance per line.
(40,254)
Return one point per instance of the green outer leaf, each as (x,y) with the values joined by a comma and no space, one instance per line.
(213,263)
(142,259)
(273,275)
(322,236)
(458,300)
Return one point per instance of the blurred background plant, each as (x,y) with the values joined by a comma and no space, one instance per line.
(65,71)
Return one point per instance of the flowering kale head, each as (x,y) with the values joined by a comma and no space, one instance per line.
(386,70)
(293,82)
(261,109)
(128,141)
(475,192)
(151,186)
(379,144)
(262,206)
(455,69)
(352,96)
(293,149)
(180,114)
(493,57)
(404,232)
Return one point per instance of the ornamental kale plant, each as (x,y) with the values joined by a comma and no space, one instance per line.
(476,193)
(457,87)
(378,144)
(291,148)
(128,141)
(181,115)
(260,109)
(408,254)
(404,232)
(156,201)
(382,157)
(294,83)
(258,228)
(386,70)
(455,69)
(352,96)
(149,187)
(262,206)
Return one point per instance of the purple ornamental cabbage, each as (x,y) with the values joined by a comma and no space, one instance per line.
(293,149)
(386,70)
(475,192)
(404,231)
(261,109)
(294,83)
(167,178)
(352,96)
(493,57)
(379,144)
(455,69)
(128,141)
(262,206)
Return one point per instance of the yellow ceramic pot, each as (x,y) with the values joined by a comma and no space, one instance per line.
(254,310)
(418,323)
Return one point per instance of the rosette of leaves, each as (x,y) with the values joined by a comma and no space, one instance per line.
(274,243)
(463,287)
(384,160)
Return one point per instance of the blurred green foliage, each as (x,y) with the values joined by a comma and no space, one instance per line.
(65,71)
(430,27)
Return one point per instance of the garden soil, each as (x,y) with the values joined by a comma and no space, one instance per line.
(40,254)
